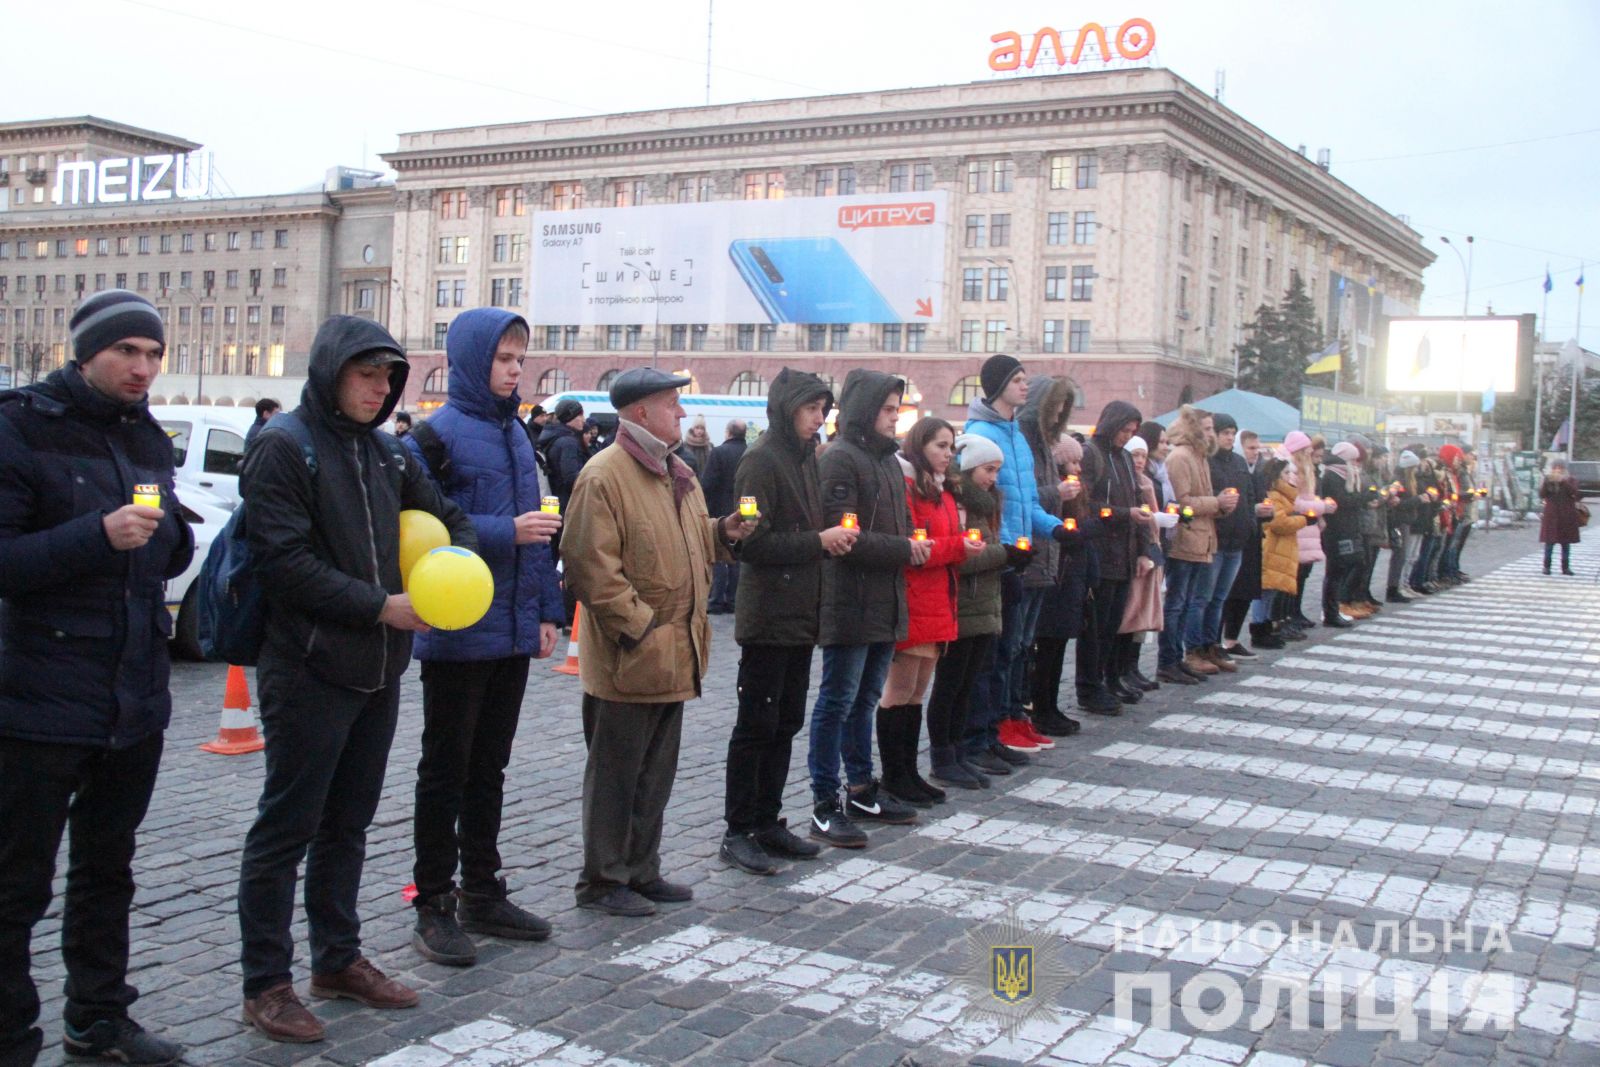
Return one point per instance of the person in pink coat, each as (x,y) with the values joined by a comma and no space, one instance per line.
(1302,474)
(930,607)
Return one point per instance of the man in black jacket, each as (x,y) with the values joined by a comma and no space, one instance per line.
(776,621)
(561,446)
(83,667)
(1113,491)
(338,637)
(863,606)
(1234,530)
(717,484)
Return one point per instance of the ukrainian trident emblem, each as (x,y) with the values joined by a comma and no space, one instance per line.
(1013,972)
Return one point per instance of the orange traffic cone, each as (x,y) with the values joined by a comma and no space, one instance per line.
(238,733)
(571,666)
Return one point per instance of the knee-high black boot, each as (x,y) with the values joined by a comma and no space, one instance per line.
(899,771)
(913,733)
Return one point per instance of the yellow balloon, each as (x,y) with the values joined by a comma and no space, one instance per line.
(451,588)
(420,533)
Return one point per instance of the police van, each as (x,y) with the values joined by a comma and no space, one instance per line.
(718,409)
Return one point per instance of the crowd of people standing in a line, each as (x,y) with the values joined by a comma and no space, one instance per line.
(943,575)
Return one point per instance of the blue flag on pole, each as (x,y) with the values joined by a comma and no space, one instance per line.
(1488,399)
(1548,285)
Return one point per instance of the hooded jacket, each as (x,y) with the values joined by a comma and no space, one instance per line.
(1021,514)
(564,456)
(327,544)
(978,590)
(1110,481)
(1042,420)
(493,476)
(931,586)
(83,627)
(1280,548)
(864,591)
(1189,470)
(780,561)
(1240,527)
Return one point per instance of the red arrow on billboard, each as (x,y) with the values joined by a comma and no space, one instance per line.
(925,308)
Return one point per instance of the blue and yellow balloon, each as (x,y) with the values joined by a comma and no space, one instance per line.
(451,588)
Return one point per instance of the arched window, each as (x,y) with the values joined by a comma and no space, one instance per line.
(966,391)
(748,383)
(607,378)
(438,380)
(554,380)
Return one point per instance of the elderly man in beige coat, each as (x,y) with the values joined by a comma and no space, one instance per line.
(1193,543)
(637,554)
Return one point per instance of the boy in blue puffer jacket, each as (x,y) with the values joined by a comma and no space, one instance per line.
(473,679)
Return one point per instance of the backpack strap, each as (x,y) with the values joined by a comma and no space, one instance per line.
(302,437)
(433,450)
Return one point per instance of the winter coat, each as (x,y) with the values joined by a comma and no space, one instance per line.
(931,586)
(1142,612)
(1021,514)
(1281,544)
(716,480)
(1042,420)
(780,561)
(1341,528)
(978,590)
(864,591)
(1374,521)
(1309,537)
(1558,521)
(83,626)
(1247,586)
(1189,470)
(637,550)
(1238,528)
(1110,482)
(491,473)
(696,450)
(327,544)
(564,456)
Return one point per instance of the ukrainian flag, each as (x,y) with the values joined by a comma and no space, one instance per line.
(1328,360)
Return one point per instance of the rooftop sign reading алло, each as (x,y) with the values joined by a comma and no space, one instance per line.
(130,179)
(1131,41)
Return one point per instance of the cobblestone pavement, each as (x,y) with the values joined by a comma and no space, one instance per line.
(1438,763)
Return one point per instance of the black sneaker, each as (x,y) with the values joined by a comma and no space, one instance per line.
(872,804)
(620,900)
(119,1041)
(989,764)
(745,852)
(1174,674)
(438,936)
(829,823)
(1011,756)
(1054,724)
(1103,702)
(661,891)
(976,771)
(779,840)
(493,913)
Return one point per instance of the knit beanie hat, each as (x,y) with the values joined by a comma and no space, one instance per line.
(974,451)
(1222,422)
(1137,444)
(106,318)
(1450,455)
(997,372)
(1067,449)
(568,410)
(1295,441)
(1408,459)
(1347,451)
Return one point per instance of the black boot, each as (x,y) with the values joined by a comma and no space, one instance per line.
(947,768)
(1261,636)
(913,733)
(1395,596)
(897,777)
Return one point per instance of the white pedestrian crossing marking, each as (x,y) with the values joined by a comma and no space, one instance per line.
(1342,691)
(495,1042)
(1563,923)
(1462,756)
(1444,678)
(1447,841)
(1346,714)
(1475,666)
(1384,635)
(1249,952)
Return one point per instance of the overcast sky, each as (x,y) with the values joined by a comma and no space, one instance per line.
(1470,117)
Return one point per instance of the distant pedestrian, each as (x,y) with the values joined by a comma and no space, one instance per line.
(266,408)
(717,483)
(1559,520)
(402,424)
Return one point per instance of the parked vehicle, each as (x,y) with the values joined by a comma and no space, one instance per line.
(208,443)
(718,410)
(1587,471)
(206,518)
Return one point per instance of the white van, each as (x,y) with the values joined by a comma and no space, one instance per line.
(208,447)
(717,408)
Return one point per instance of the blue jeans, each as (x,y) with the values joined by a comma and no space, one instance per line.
(998,693)
(841,721)
(1188,593)
(1224,569)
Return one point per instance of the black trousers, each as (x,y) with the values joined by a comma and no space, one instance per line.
(327,749)
(102,795)
(1097,660)
(1234,613)
(773,681)
(1297,607)
(469,721)
(633,759)
(1049,659)
(1337,580)
(954,678)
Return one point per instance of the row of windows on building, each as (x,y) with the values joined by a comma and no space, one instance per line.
(39,284)
(229,358)
(1078,170)
(994,283)
(276,315)
(142,244)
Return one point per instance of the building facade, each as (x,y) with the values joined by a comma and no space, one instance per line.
(1118,227)
(241,282)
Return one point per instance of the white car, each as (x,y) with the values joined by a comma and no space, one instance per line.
(208,447)
(206,518)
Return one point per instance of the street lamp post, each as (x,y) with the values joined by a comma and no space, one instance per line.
(1466,297)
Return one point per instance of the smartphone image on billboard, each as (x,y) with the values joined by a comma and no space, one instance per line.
(808,280)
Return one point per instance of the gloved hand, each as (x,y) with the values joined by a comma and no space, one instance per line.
(1018,558)
(1064,535)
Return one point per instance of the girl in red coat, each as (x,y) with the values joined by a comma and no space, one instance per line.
(930,606)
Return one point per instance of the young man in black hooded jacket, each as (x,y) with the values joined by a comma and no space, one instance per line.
(338,637)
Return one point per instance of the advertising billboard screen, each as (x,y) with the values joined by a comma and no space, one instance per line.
(1441,355)
(805,260)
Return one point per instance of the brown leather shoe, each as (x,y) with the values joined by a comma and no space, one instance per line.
(1223,661)
(1199,664)
(280,1015)
(364,983)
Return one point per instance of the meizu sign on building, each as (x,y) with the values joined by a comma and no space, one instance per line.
(130,179)
(832,259)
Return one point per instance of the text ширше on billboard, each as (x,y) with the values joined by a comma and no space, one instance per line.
(805,260)
(1433,355)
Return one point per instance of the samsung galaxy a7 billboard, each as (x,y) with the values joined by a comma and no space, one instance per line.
(805,260)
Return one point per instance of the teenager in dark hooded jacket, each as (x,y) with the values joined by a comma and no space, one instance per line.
(338,637)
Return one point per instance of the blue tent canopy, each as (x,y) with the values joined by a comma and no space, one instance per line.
(1266,415)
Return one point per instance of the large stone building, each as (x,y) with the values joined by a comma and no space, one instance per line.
(242,282)
(1119,227)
